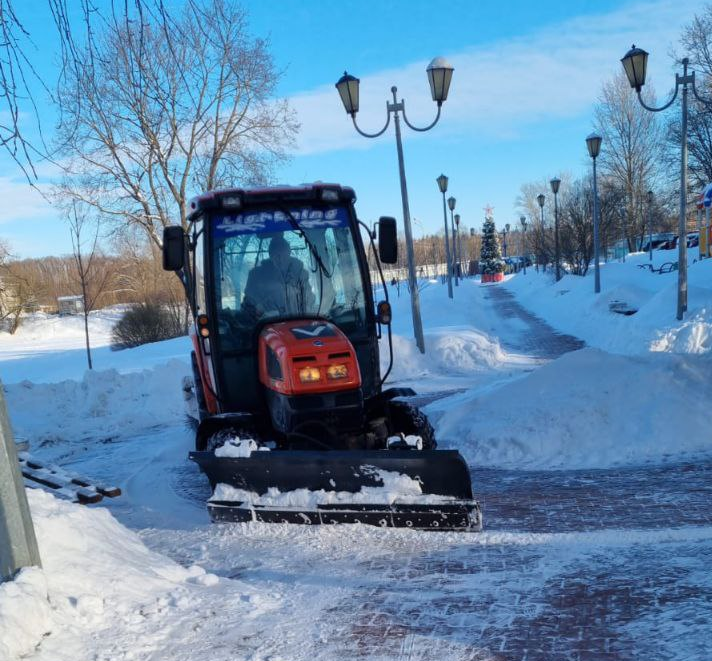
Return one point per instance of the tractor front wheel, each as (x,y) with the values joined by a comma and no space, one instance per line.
(410,420)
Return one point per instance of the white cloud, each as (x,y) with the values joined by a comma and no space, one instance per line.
(22,202)
(501,87)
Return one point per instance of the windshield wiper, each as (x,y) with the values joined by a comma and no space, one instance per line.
(315,253)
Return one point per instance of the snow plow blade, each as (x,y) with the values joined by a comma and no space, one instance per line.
(444,500)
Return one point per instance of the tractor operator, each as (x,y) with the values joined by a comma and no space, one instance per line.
(278,286)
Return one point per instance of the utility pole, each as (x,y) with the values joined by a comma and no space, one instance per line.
(18,544)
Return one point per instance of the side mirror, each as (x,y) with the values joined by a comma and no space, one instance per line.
(173,248)
(387,240)
(384,314)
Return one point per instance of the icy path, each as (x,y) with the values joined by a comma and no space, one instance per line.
(537,338)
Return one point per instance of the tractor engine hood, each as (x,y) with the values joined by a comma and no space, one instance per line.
(306,357)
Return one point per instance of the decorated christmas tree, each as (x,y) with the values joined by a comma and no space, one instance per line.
(490,255)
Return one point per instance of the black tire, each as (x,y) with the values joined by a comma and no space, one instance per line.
(410,420)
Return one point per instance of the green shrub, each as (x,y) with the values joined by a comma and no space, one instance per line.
(146,322)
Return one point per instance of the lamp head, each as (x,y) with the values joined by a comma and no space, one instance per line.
(442,183)
(348,91)
(593,142)
(555,183)
(451,203)
(635,63)
(439,76)
(541,198)
(457,219)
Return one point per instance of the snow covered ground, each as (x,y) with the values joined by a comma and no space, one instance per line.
(593,467)
(570,305)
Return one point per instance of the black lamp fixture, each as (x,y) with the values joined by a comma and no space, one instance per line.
(635,63)
(439,76)
(593,142)
(442,183)
(348,91)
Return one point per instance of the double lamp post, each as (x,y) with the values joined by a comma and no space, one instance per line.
(635,63)
(439,73)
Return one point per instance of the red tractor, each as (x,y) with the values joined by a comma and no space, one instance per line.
(293,423)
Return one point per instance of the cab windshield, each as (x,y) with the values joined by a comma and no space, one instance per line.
(268,266)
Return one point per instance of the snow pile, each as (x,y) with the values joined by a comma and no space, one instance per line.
(587,409)
(452,351)
(396,488)
(239,447)
(25,614)
(572,306)
(97,579)
(104,405)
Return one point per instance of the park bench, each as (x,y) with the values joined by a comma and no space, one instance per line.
(667,267)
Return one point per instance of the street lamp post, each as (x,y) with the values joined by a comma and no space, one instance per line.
(505,231)
(472,248)
(442,185)
(555,183)
(650,227)
(451,205)
(635,63)
(458,259)
(439,76)
(593,142)
(523,221)
(541,198)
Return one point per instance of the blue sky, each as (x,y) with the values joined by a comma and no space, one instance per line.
(526,78)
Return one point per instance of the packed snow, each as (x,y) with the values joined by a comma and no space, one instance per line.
(239,447)
(99,584)
(395,488)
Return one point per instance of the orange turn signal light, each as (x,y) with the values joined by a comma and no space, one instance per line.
(338,371)
(309,375)
(203,329)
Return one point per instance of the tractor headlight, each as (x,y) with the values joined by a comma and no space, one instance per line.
(337,372)
(309,375)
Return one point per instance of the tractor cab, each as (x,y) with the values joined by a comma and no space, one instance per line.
(261,258)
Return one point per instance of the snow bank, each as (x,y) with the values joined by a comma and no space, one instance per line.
(586,409)
(572,306)
(104,405)
(452,351)
(25,614)
(97,576)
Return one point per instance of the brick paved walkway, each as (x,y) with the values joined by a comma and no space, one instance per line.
(582,565)
(589,565)
(527,333)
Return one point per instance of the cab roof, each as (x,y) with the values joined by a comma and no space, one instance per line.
(238,198)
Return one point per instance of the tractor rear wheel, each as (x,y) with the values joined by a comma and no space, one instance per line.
(410,420)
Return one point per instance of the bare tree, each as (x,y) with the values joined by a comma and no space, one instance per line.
(696,44)
(163,107)
(21,288)
(632,150)
(92,278)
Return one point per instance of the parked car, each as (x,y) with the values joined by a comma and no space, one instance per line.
(659,239)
